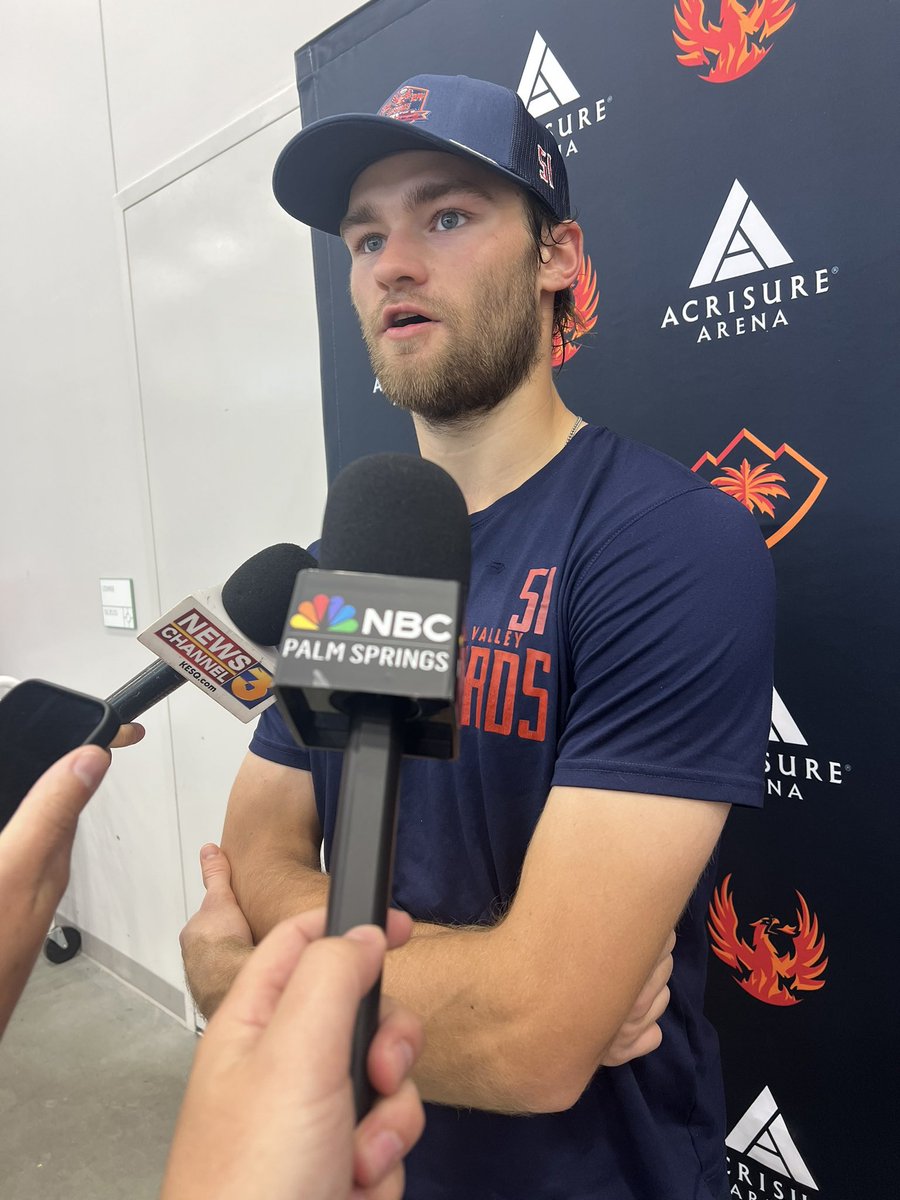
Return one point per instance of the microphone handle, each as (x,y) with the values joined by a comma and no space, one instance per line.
(363,854)
(153,684)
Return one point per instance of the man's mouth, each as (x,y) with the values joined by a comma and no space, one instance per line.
(413,319)
(400,317)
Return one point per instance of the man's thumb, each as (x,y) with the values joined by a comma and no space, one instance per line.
(215,867)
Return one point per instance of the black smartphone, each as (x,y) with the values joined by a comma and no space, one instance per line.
(39,723)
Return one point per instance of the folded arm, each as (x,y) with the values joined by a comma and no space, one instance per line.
(272,839)
(518,1016)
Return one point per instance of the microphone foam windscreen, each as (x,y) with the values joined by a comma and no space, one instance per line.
(257,596)
(396,514)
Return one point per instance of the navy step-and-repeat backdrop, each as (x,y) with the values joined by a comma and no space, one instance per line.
(734,166)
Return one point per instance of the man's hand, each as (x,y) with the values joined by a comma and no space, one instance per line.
(35,858)
(640,1033)
(269,1111)
(217,939)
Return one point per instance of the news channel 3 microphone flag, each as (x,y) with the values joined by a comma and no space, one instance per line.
(729,164)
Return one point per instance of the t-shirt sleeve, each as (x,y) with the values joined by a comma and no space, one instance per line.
(272,740)
(670,641)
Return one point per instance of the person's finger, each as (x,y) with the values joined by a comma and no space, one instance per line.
(219,917)
(662,974)
(659,977)
(396,1047)
(659,1006)
(641,1037)
(253,997)
(391,1188)
(399,928)
(650,1040)
(52,806)
(215,869)
(317,1012)
(128,735)
(663,967)
(386,1135)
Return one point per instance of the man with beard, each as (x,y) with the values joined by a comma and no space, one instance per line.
(616,699)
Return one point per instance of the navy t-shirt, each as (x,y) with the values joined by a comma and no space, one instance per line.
(619,631)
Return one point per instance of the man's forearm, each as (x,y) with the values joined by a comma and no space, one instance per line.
(211,969)
(447,975)
(479,1035)
(279,890)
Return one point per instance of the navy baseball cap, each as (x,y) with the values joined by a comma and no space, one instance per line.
(468,117)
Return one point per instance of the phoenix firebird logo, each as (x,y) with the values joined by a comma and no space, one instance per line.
(584,319)
(737,44)
(774,971)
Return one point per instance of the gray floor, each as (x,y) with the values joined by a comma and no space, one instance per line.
(91,1080)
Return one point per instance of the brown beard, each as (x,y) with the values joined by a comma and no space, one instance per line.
(487,358)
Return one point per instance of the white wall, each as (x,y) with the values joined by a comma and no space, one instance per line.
(159,389)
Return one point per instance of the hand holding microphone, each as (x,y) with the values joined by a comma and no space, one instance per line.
(268,1112)
(300,992)
(221,640)
(272,1065)
(368,664)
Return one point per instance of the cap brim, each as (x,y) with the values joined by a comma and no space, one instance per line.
(317,168)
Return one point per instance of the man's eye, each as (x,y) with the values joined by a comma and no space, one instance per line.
(450,219)
(372,243)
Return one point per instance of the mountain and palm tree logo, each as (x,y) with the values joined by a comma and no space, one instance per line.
(751,486)
(778,486)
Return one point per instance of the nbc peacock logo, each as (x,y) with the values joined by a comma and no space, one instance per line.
(325,614)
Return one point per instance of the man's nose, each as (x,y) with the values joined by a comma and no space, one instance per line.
(401,260)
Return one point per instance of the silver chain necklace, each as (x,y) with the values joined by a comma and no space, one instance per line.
(578,423)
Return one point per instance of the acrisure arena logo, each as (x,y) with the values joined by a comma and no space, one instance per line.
(545,87)
(734,45)
(743,243)
(797,775)
(764,1159)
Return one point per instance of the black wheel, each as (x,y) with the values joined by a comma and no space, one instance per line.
(63,943)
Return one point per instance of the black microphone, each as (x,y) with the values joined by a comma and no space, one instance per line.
(368,664)
(220,639)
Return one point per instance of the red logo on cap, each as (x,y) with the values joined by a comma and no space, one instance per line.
(545,166)
(406,104)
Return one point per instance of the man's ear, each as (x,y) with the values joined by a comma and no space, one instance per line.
(561,256)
